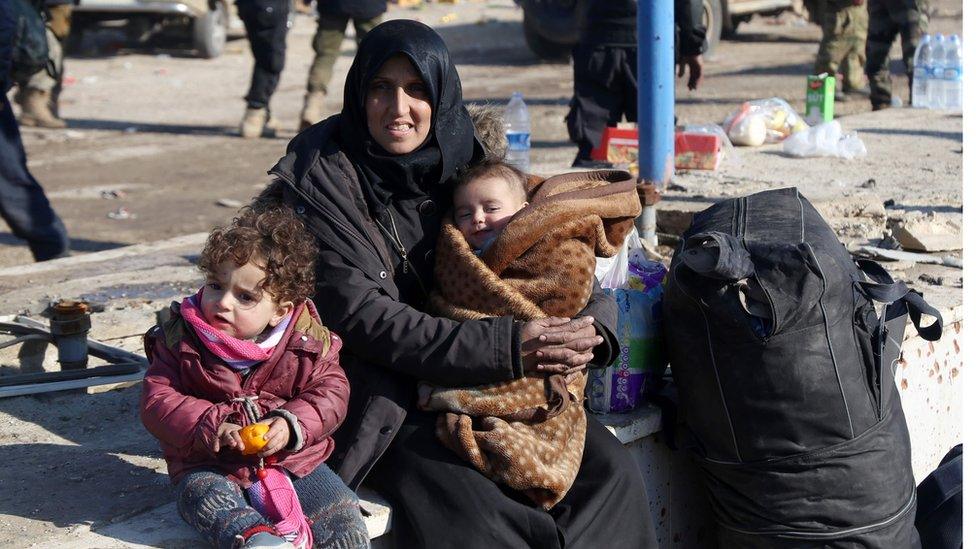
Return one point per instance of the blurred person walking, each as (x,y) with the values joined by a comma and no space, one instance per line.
(38,94)
(334,16)
(888,19)
(266,22)
(23,204)
(842,47)
(605,67)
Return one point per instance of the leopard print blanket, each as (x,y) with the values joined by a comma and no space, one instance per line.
(528,433)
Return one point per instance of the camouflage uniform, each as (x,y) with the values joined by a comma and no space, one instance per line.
(842,48)
(886,20)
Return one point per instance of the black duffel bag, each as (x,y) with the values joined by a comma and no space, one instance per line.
(783,350)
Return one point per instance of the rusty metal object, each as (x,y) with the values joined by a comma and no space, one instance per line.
(70,323)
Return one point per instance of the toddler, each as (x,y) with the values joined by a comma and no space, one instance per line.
(249,348)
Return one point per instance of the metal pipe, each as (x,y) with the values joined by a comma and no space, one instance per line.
(49,386)
(655,84)
(124,368)
(70,322)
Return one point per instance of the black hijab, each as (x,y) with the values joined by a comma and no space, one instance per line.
(451,143)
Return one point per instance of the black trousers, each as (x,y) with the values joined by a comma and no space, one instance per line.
(266,22)
(441,502)
(23,204)
(604,90)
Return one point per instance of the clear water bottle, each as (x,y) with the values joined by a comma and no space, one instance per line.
(952,74)
(518,131)
(923,70)
(936,98)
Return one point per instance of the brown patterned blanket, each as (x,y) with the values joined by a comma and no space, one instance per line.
(528,433)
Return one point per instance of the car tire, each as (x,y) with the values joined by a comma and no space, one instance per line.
(210,32)
(543,48)
(712,16)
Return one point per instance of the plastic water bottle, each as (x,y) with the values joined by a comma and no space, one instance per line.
(923,73)
(936,96)
(952,74)
(518,131)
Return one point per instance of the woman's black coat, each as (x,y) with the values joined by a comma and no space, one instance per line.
(389,345)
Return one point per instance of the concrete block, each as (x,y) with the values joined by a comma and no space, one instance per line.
(932,232)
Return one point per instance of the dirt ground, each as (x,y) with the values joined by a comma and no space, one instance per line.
(151,133)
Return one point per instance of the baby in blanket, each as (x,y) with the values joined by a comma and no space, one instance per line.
(526,249)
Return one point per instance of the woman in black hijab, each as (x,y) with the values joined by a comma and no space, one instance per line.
(372,184)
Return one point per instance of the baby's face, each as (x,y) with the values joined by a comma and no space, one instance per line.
(483,207)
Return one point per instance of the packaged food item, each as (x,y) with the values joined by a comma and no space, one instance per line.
(772,120)
(820,98)
(635,282)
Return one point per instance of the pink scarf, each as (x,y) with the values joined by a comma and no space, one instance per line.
(275,498)
(239,354)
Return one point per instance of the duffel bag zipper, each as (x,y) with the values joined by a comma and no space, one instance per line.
(801,534)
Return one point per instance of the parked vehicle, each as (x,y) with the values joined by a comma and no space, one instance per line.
(205,22)
(551,27)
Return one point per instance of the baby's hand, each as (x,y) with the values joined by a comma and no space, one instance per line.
(228,436)
(277,436)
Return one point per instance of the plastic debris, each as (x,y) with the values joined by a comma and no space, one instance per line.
(825,139)
(229,203)
(121,213)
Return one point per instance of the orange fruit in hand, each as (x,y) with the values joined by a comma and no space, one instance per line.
(253,437)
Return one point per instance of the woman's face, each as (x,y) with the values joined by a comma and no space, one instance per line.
(398,108)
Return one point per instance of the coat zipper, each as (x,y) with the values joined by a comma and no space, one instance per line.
(402,250)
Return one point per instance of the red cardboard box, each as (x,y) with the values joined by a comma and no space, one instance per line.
(692,150)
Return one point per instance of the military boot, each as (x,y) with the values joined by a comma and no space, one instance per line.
(35,110)
(312,111)
(257,123)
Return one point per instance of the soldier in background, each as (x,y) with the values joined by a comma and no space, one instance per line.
(605,66)
(842,47)
(266,22)
(38,95)
(334,16)
(886,20)
(23,204)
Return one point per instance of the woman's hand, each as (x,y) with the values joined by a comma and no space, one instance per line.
(558,345)
(277,436)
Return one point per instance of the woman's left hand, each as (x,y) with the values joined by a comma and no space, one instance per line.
(277,436)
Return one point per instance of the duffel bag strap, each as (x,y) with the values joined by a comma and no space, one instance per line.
(916,306)
(880,287)
(885,289)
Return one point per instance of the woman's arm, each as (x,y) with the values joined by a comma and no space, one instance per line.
(384,331)
(603,308)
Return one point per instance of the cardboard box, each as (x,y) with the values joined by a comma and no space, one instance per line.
(692,151)
(820,98)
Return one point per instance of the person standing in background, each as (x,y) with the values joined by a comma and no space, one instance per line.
(266,22)
(23,204)
(842,47)
(38,95)
(888,19)
(605,67)
(334,16)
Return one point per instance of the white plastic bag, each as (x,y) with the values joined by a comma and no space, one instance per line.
(826,139)
(612,272)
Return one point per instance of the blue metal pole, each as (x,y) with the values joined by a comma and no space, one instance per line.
(655,82)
